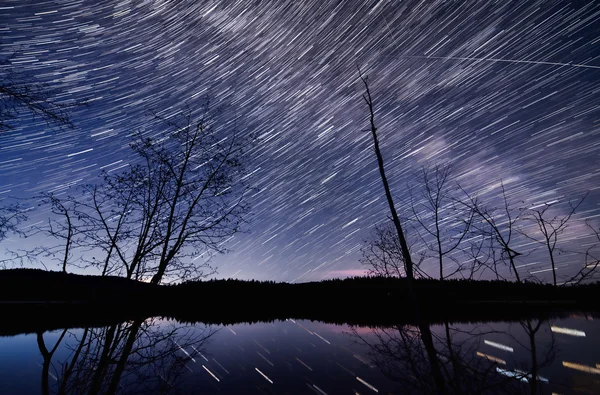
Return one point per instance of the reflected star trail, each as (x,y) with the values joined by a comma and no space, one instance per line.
(501,90)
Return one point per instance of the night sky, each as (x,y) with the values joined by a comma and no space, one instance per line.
(502,90)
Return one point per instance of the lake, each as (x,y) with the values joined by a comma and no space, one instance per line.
(557,356)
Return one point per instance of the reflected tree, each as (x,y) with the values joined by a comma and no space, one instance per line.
(142,356)
(401,354)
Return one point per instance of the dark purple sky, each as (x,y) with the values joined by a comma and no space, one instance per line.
(502,90)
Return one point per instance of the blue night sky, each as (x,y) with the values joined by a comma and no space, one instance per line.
(501,90)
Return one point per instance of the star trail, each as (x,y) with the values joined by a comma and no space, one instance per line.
(501,90)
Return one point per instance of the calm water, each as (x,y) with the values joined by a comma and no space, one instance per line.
(303,357)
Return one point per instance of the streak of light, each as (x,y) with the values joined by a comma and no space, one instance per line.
(211,373)
(367,384)
(260,345)
(265,358)
(491,358)
(520,375)
(514,61)
(221,366)
(320,390)
(321,337)
(198,352)
(498,345)
(300,325)
(231,330)
(363,360)
(581,368)
(264,375)
(305,365)
(567,331)
(184,351)
(49,373)
(80,152)
(346,369)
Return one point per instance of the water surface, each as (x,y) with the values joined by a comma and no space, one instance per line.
(304,357)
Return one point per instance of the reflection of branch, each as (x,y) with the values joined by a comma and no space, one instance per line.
(401,355)
(138,356)
(47,356)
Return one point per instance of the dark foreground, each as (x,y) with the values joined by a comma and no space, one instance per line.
(35,300)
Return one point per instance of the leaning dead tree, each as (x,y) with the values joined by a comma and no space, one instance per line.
(408,262)
(424,329)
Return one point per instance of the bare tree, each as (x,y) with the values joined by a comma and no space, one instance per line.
(11,216)
(408,263)
(60,226)
(499,224)
(591,260)
(382,253)
(442,224)
(549,229)
(143,356)
(47,356)
(185,198)
(21,94)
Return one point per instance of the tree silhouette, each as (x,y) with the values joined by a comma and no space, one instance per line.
(382,253)
(184,198)
(442,224)
(497,224)
(408,263)
(21,94)
(549,229)
(143,356)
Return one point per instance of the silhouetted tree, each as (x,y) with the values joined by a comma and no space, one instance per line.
(497,224)
(11,216)
(591,260)
(47,356)
(549,229)
(61,226)
(382,253)
(401,355)
(21,94)
(185,198)
(442,225)
(407,260)
(143,356)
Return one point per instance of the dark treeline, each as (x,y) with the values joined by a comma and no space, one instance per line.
(36,299)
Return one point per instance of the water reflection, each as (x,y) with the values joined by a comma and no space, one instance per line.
(533,356)
(459,359)
(142,356)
